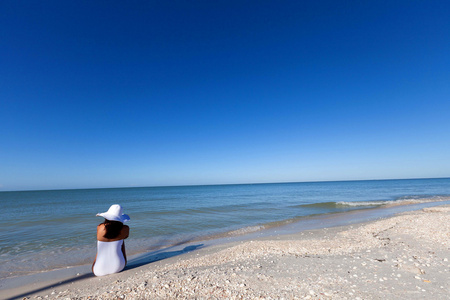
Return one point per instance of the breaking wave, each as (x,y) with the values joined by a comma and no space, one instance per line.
(405,200)
(400,201)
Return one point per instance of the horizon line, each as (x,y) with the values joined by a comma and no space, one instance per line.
(221,184)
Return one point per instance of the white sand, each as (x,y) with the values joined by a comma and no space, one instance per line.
(402,257)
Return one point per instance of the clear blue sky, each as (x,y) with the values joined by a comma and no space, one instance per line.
(147,93)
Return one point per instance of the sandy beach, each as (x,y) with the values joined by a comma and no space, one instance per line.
(401,257)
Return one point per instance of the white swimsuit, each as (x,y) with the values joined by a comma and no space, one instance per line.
(110,258)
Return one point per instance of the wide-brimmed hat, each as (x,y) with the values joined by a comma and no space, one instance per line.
(114,213)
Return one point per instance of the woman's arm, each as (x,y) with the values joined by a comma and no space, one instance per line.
(99,229)
(124,253)
(95,259)
(124,234)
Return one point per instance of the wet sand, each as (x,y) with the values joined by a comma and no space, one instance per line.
(401,257)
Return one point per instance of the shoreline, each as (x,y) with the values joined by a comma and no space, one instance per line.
(172,216)
(361,213)
(365,213)
(215,261)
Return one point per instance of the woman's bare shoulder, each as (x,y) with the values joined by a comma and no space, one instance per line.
(101,230)
(125,231)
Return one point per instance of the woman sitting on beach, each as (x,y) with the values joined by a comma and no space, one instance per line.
(111,257)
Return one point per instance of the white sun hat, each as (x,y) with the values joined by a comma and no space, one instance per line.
(114,213)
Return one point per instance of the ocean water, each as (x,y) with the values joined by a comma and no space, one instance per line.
(45,230)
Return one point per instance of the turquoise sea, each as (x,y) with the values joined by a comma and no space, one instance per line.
(45,230)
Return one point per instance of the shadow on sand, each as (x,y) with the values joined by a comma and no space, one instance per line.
(159,255)
(136,262)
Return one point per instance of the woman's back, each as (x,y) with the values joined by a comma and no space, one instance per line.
(110,258)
